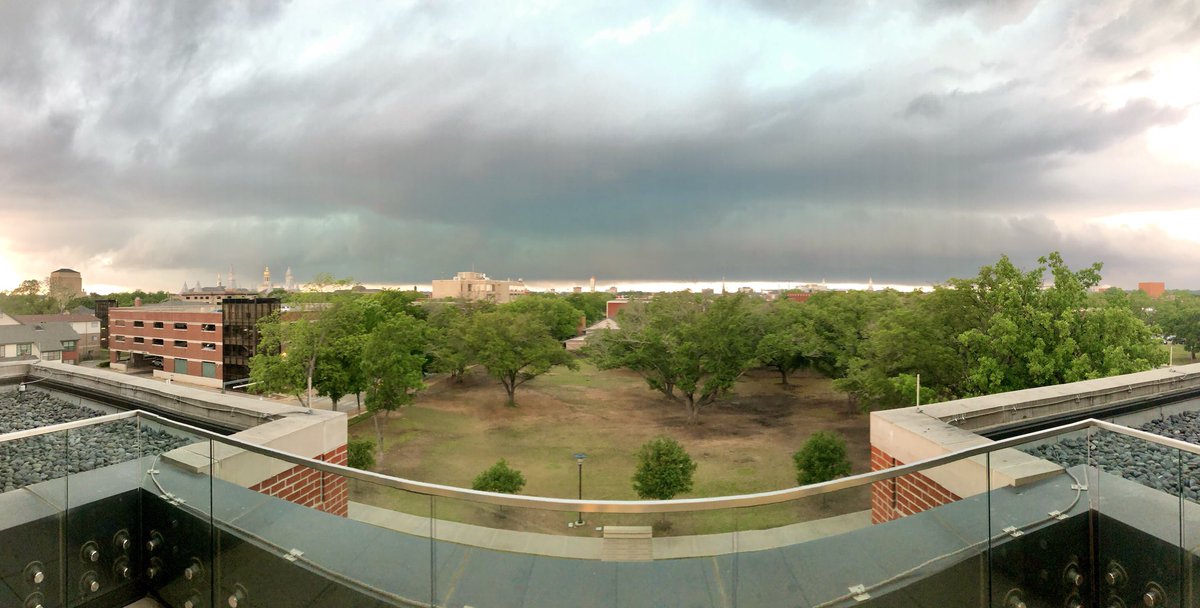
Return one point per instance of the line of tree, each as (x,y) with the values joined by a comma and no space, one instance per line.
(335,342)
(34,297)
(1004,329)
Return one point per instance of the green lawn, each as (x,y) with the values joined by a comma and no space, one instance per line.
(743,445)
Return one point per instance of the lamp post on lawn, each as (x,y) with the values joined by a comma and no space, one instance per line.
(579,461)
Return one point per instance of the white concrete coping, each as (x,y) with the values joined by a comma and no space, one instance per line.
(917,433)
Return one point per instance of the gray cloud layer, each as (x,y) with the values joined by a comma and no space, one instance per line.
(163,137)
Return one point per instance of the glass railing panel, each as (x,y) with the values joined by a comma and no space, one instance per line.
(1138,513)
(1189,477)
(290,534)
(497,555)
(176,538)
(783,549)
(103,504)
(1040,520)
(33,504)
(914,540)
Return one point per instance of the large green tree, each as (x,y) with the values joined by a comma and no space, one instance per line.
(1003,330)
(786,341)
(555,313)
(689,347)
(392,360)
(515,347)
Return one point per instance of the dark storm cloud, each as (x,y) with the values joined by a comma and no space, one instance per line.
(148,128)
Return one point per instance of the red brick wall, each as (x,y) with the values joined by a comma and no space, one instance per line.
(905,495)
(309,487)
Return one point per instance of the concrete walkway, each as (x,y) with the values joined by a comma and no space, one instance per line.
(575,547)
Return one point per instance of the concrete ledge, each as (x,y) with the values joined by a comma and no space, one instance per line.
(917,433)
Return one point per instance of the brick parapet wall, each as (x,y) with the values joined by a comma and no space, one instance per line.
(905,495)
(309,487)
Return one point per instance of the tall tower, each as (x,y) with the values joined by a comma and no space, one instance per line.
(592,284)
(266,284)
(289,283)
(231,282)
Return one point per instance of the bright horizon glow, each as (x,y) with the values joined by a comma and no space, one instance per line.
(1183,224)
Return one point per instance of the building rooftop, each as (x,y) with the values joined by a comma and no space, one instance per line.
(47,336)
(59,318)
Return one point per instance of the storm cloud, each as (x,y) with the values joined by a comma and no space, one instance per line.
(146,144)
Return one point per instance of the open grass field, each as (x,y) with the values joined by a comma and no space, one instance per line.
(743,444)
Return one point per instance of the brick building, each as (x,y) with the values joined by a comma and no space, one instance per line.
(196,342)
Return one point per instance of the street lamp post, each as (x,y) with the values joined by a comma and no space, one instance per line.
(579,462)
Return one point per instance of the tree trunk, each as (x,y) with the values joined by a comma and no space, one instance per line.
(378,437)
(783,374)
(358,400)
(510,387)
(693,410)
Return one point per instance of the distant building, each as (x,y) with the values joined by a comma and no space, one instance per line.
(45,341)
(477,286)
(66,283)
(580,341)
(87,326)
(213,295)
(197,342)
(1154,289)
(798,296)
(612,307)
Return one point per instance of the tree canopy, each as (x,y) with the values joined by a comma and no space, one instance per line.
(499,478)
(515,347)
(1002,330)
(821,458)
(689,347)
(664,470)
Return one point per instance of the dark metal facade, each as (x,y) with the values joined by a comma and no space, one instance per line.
(239,318)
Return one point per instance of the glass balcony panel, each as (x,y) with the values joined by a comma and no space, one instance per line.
(1189,483)
(176,537)
(782,557)
(1138,514)
(1040,523)
(33,506)
(103,503)
(289,534)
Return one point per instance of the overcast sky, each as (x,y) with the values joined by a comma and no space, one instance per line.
(150,143)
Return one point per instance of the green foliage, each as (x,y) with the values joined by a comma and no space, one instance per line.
(686,346)
(555,313)
(450,350)
(515,347)
(392,359)
(821,458)
(664,470)
(1000,331)
(1179,316)
(499,478)
(360,453)
(591,304)
(787,339)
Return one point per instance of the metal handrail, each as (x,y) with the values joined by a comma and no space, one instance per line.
(622,506)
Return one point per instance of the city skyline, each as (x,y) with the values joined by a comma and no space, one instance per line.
(148,143)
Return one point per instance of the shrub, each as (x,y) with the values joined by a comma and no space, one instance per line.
(360,453)
(499,478)
(821,458)
(664,469)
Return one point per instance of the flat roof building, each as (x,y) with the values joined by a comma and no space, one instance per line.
(477,286)
(196,342)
